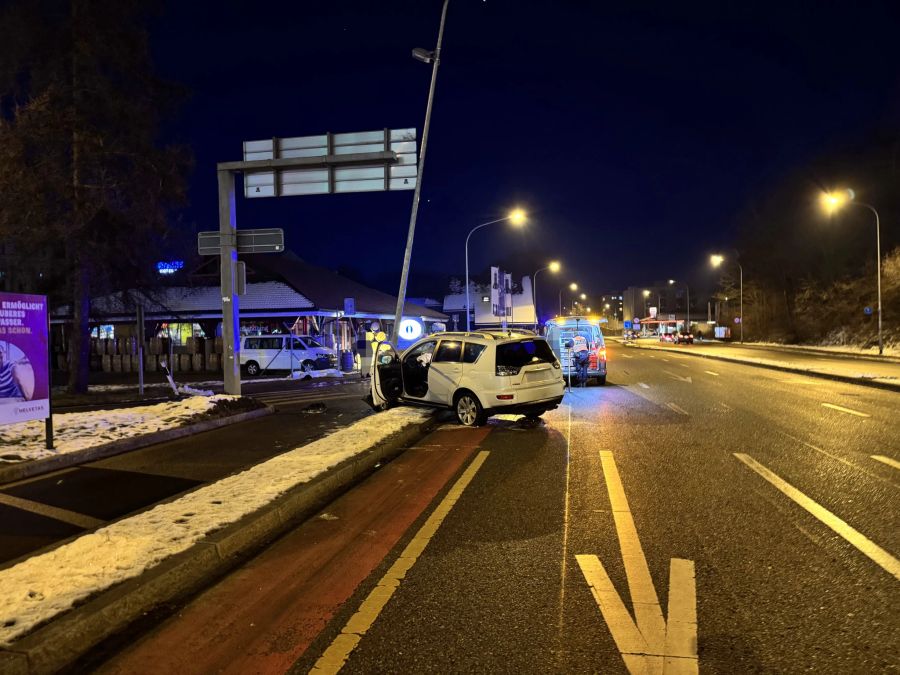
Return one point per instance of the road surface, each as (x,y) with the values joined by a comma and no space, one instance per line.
(696,513)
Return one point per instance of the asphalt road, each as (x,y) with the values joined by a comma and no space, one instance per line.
(771,499)
(44,510)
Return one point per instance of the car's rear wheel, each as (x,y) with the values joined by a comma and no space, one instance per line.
(469,411)
(601,380)
(252,368)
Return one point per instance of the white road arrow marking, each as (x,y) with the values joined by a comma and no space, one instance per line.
(648,643)
(679,377)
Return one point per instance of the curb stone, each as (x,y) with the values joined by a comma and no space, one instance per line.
(889,386)
(20,470)
(64,639)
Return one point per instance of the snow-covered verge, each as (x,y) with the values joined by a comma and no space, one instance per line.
(44,586)
(315,374)
(835,348)
(76,431)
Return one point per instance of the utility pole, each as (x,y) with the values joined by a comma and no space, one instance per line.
(407,256)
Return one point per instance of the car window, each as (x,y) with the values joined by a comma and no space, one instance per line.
(298,344)
(311,343)
(524,353)
(450,351)
(270,343)
(421,353)
(251,343)
(472,351)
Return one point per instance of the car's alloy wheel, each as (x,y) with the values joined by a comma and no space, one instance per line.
(308,366)
(253,369)
(468,410)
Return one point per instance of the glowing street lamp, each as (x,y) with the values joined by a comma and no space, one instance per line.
(716,260)
(832,202)
(553,267)
(516,217)
(572,287)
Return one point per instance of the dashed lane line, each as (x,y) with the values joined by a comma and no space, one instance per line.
(627,356)
(866,546)
(677,408)
(710,372)
(64,515)
(848,411)
(886,460)
(357,625)
(643,386)
(842,460)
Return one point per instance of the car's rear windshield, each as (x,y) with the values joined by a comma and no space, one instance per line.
(524,353)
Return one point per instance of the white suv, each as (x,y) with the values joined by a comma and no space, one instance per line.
(475,374)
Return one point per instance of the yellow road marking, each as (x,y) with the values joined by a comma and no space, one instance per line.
(648,643)
(357,625)
(865,545)
(842,409)
(886,460)
(64,515)
(709,372)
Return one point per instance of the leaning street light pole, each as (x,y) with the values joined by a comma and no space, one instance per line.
(435,58)
(832,201)
(517,218)
(553,267)
(717,260)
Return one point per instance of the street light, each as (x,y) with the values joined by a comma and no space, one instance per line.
(517,218)
(715,261)
(831,202)
(688,318)
(553,267)
(572,287)
(583,296)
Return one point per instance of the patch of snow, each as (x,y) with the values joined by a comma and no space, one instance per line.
(79,430)
(187,389)
(314,374)
(46,585)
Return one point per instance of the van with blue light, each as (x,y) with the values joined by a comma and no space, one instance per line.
(561,330)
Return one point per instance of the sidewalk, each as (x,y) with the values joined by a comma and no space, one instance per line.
(115,574)
(882,373)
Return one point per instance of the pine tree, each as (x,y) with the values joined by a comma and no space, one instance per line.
(86,187)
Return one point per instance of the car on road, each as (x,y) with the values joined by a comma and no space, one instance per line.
(276,352)
(683,338)
(475,374)
(561,330)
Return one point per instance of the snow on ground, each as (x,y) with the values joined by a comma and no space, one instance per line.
(839,349)
(76,431)
(41,587)
(315,374)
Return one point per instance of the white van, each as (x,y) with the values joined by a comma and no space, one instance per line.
(562,329)
(273,352)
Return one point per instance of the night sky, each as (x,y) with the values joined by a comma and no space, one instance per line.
(632,133)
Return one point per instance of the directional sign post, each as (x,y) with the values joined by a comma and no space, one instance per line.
(325,164)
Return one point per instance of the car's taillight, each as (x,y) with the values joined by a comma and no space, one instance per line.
(505,397)
(601,354)
(691,336)
(507,370)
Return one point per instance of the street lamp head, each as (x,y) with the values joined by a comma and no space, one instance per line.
(573,286)
(606,306)
(423,55)
(833,201)
(646,293)
(716,260)
(583,296)
(554,267)
(671,282)
(517,217)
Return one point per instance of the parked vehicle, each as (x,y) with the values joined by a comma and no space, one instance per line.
(561,330)
(667,337)
(475,374)
(273,352)
(684,338)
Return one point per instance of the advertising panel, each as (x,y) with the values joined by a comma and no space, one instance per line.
(24,372)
